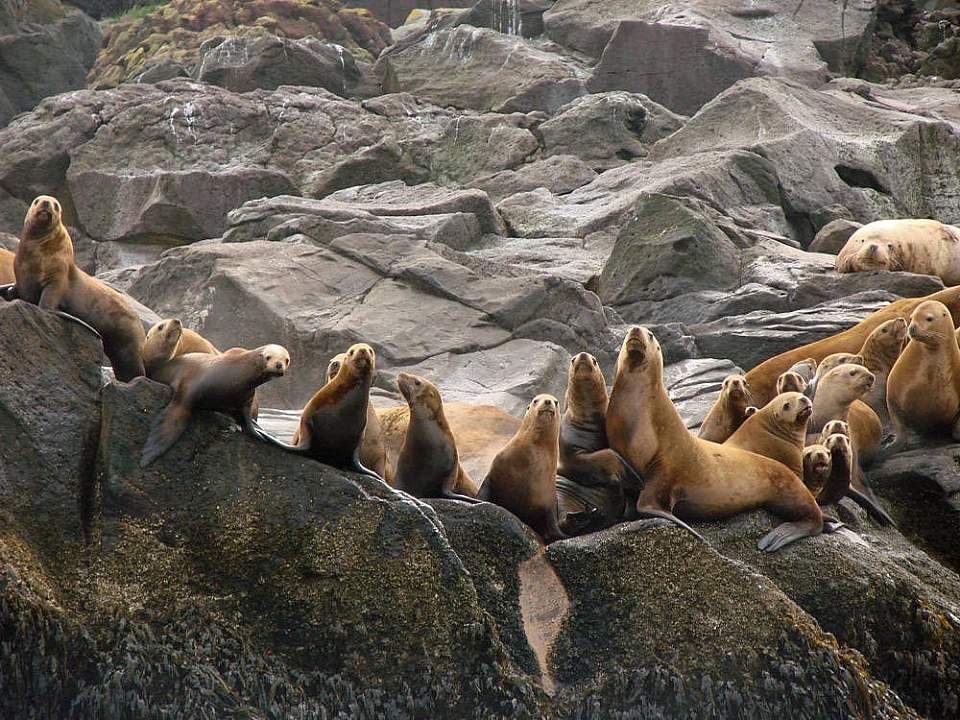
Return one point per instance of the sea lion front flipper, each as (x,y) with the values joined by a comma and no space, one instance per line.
(253,429)
(452,495)
(872,506)
(831,524)
(785,534)
(664,515)
(81,323)
(635,476)
(167,428)
(359,467)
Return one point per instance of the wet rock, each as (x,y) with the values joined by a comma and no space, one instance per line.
(477,68)
(833,236)
(511,17)
(46,48)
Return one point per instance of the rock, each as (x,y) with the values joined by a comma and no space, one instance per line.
(510,17)
(914,39)
(45,49)
(412,301)
(242,64)
(104,9)
(939,103)
(395,12)
(49,416)
(162,70)
(693,386)
(831,148)
(580,260)
(833,236)
(874,592)
(559,174)
(177,31)
(621,127)
(478,68)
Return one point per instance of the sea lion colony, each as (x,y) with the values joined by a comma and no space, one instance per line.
(790,436)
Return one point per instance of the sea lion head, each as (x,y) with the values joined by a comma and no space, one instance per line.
(875,254)
(792,409)
(276,360)
(333,367)
(848,380)
(839,447)
(834,427)
(164,338)
(419,392)
(543,413)
(362,358)
(736,388)
(586,386)
(791,382)
(816,465)
(43,215)
(835,360)
(640,352)
(931,324)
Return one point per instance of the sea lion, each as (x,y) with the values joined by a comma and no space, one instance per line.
(926,247)
(777,431)
(836,393)
(523,475)
(829,363)
(806,368)
(842,468)
(46,275)
(168,339)
(480,431)
(879,352)
(429,466)
(857,489)
(728,412)
(834,427)
(585,458)
(332,423)
(763,377)
(695,477)
(923,388)
(816,468)
(224,382)
(373,453)
(7,276)
(791,382)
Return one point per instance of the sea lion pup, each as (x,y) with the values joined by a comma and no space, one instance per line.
(816,468)
(696,477)
(923,388)
(373,453)
(332,423)
(168,339)
(879,353)
(790,382)
(834,427)
(778,430)
(763,377)
(7,276)
(523,475)
(728,412)
(919,246)
(858,490)
(224,382)
(429,465)
(46,275)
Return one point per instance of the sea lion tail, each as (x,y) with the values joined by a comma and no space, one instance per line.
(165,431)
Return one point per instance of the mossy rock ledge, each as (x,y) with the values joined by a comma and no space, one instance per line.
(233,580)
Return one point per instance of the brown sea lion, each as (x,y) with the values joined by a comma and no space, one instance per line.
(224,382)
(728,412)
(926,247)
(480,431)
(429,466)
(842,468)
(879,352)
(763,378)
(777,431)
(7,276)
(593,473)
(923,388)
(46,275)
(816,468)
(791,382)
(332,423)
(523,475)
(694,477)
(858,490)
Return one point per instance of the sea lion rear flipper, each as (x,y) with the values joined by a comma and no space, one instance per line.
(785,534)
(81,323)
(871,505)
(165,431)
(831,524)
(253,429)
(664,515)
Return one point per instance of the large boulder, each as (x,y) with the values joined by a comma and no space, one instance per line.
(45,49)
(478,68)
(511,17)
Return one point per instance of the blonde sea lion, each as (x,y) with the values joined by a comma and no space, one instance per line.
(7,276)
(695,477)
(833,427)
(728,412)
(777,431)
(926,247)
(523,475)
(836,393)
(763,377)
(224,382)
(879,352)
(168,339)
(46,275)
(429,465)
(829,363)
(791,382)
(923,388)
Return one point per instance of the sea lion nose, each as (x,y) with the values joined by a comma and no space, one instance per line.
(871,250)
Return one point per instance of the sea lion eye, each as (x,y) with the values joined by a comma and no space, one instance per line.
(417,382)
(852,373)
(786,406)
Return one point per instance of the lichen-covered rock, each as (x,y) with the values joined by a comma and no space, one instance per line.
(175,31)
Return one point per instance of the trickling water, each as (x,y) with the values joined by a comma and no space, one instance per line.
(343,67)
(506,17)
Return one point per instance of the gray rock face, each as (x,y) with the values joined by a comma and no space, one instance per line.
(559,174)
(470,67)
(833,236)
(242,64)
(45,49)
(510,17)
